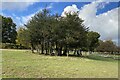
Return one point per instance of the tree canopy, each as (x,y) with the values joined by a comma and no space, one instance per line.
(8,30)
(55,34)
(92,40)
(107,46)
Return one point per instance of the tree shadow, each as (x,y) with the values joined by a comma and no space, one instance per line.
(99,58)
(91,56)
(94,57)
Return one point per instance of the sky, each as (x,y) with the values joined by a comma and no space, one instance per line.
(100,16)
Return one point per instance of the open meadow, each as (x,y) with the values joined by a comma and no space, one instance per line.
(24,64)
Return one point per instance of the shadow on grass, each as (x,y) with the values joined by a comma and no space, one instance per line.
(99,58)
(91,56)
(94,57)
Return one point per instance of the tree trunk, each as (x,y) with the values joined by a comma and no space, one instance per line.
(37,49)
(80,52)
(65,51)
(46,48)
(42,48)
(51,49)
(75,52)
(60,51)
(90,52)
(56,49)
(46,51)
(32,48)
(112,52)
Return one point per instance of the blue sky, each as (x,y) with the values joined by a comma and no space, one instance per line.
(57,7)
(99,16)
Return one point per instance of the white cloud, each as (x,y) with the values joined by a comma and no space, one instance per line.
(16,5)
(25,19)
(19,20)
(50,6)
(106,24)
(70,9)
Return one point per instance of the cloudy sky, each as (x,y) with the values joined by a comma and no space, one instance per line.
(100,16)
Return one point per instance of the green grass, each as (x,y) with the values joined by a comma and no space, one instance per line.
(24,64)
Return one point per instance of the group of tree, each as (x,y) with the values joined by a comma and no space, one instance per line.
(54,34)
(108,46)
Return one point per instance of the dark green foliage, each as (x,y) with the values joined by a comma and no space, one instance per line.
(92,40)
(0,29)
(50,33)
(8,30)
(56,35)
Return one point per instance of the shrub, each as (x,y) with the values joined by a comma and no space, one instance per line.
(12,46)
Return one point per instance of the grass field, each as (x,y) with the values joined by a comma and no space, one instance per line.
(24,64)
